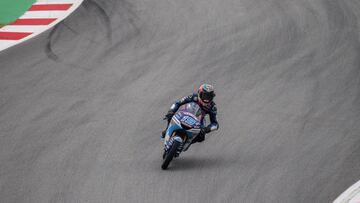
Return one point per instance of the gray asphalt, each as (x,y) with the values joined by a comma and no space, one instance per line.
(81,105)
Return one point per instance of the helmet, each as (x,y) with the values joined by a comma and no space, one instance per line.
(206,94)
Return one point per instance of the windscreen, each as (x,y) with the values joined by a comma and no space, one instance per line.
(193,108)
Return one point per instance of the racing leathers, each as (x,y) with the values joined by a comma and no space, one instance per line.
(207,109)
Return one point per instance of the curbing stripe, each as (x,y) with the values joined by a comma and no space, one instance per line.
(33,21)
(13,35)
(50,7)
(36,20)
(23,28)
(43,14)
(53,1)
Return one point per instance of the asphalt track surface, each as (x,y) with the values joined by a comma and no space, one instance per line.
(81,105)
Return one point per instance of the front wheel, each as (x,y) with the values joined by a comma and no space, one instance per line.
(170,155)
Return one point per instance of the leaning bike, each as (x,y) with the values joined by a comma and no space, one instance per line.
(184,126)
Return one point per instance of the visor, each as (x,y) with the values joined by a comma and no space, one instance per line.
(207,97)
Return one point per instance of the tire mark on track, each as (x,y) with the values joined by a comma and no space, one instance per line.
(48,48)
(91,5)
(127,28)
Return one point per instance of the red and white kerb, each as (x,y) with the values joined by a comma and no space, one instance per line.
(41,16)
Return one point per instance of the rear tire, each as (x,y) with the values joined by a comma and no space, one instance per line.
(169,156)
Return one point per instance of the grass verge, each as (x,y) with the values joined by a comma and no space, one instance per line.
(10,10)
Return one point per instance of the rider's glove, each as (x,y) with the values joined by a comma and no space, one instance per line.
(205,130)
(169,115)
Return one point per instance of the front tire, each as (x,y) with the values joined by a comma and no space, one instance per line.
(170,155)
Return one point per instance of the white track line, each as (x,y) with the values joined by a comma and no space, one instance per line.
(23,28)
(42,14)
(351,195)
(53,1)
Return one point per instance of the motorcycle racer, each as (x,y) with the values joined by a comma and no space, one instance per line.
(204,98)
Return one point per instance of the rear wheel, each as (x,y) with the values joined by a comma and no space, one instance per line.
(170,155)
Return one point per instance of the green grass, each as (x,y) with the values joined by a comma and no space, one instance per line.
(10,10)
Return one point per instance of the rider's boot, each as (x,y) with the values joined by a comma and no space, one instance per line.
(197,139)
(187,147)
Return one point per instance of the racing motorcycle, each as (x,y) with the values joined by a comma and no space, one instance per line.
(184,126)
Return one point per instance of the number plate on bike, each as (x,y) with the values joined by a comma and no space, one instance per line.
(188,120)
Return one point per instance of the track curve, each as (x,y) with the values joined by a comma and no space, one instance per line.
(81,106)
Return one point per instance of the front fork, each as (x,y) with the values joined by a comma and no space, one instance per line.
(169,142)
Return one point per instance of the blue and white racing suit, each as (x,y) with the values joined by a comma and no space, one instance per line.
(210,109)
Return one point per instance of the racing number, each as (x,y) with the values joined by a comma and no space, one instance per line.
(188,120)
